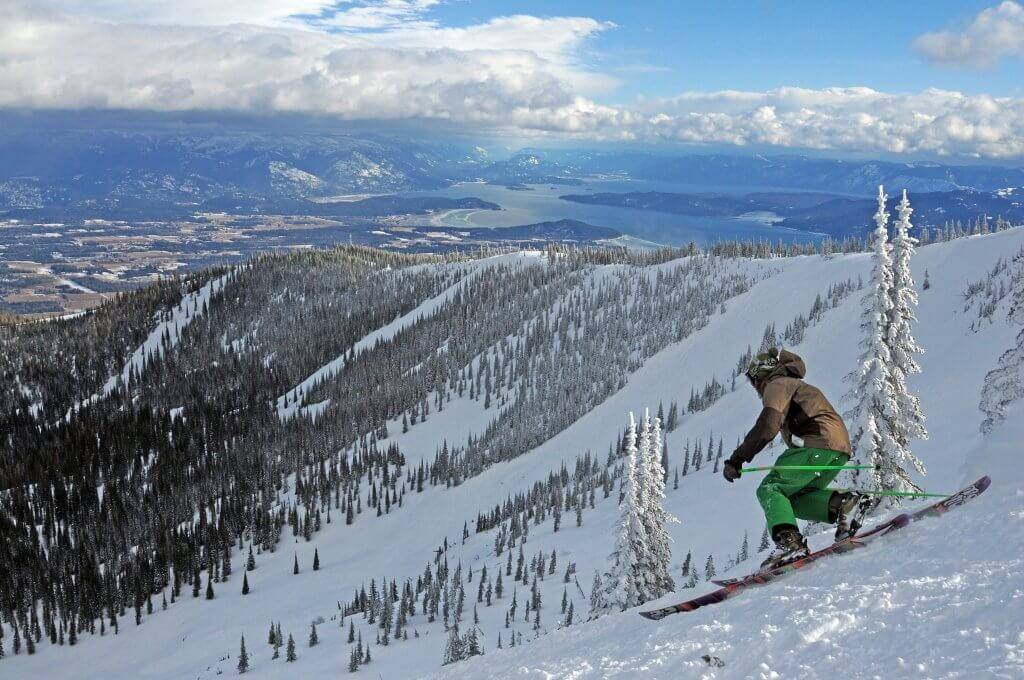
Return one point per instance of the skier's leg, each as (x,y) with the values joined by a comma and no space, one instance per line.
(779,486)
(813,501)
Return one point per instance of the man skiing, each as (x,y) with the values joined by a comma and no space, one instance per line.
(814,434)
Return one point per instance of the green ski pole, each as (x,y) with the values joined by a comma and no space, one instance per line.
(906,494)
(815,468)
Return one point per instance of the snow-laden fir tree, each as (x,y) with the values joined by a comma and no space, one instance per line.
(619,587)
(644,580)
(658,555)
(908,420)
(871,389)
(1005,383)
(596,590)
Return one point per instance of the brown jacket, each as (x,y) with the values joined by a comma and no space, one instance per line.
(802,413)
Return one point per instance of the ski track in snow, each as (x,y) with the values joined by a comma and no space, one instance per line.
(288,404)
(944,598)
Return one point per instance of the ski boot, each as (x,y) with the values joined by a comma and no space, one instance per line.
(850,509)
(790,545)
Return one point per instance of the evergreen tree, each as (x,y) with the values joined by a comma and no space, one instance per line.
(621,584)
(243,658)
(453,648)
(313,638)
(1004,384)
(471,645)
(290,651)
(596,603)
(245,584)
(709,568)
(316,559)
(908,419)
(664,454)
(295,567)
(871,382)
(658,544)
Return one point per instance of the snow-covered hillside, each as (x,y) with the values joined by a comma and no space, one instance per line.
(943,599)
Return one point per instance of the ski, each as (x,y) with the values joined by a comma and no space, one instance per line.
(763,577)
(884,527)
(733,588)
(968,493)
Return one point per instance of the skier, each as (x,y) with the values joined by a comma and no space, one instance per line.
(814,434)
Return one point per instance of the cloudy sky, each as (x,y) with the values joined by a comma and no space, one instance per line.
(942,78)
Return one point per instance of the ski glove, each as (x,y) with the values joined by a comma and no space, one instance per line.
(731,471)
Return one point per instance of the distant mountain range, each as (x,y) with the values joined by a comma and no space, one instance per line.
(165,172)
(794,172)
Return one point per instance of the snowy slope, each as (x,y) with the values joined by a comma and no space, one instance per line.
(943,599)
(950,598)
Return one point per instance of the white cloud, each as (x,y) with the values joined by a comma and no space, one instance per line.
(377,14)
(518,75)
(857,119)
(474,74)
(995,33)
(192,12)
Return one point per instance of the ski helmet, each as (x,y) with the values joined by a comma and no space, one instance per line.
(762,365)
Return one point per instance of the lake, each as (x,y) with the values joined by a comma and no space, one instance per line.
(540,203)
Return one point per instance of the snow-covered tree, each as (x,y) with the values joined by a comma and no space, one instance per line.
(453,651)
(871,389)
(619,587)
(641,474)
(596,590)
(908,419)
(243,658)
(658,555)
(1005,383)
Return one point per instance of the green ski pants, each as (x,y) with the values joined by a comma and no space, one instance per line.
(788,494)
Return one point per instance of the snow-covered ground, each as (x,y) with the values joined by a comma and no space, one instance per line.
(945,598)
(942,599)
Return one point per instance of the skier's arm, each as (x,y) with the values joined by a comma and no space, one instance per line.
(764,431)
(776,401)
